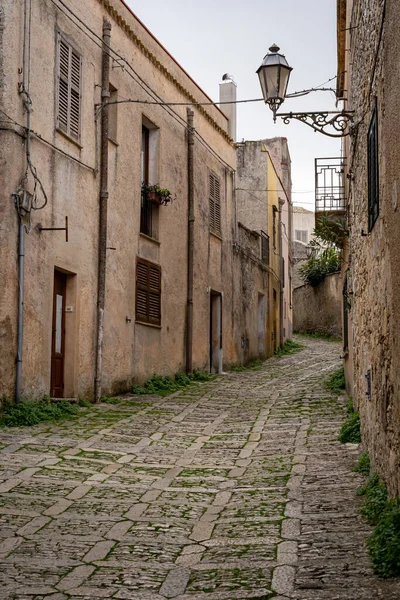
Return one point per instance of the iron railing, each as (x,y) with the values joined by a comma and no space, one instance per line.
(329,185)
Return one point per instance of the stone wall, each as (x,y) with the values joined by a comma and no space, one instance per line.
(373,264)
(318,309)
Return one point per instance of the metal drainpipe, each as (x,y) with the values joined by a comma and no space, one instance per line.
(281,274)
(189,324)
(105,94)
(20,320)
(21,228)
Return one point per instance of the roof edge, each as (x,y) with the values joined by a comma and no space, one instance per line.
(341,46)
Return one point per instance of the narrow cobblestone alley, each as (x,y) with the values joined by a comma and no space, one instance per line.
(232,489)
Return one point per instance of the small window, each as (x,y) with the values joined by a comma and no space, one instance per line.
(148,292)
(146,209)
(373,171)
(149,211)
(69,72)
(112,115)
(301,235)
(214,196)
(264,248)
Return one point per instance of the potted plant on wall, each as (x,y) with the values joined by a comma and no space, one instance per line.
(156,194)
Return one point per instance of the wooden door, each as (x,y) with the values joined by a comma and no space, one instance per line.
(58,336)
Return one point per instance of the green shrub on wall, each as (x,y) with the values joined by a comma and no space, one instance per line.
(318,267)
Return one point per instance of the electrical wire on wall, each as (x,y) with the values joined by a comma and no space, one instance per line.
(26,202)
(157,99)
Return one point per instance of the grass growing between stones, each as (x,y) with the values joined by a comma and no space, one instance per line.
(289,347)
(28,413)
(253,365)
(163,385)
(363,464)
(384,542)
(319,336)
(350,430)
(336,382)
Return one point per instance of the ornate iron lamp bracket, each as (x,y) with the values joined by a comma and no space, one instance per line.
(340,122)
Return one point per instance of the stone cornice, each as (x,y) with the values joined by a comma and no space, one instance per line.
(113,12)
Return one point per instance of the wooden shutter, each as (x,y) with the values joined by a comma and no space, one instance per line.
(264,248)
(373,171)
(69,89)
(215,203)
(148,292)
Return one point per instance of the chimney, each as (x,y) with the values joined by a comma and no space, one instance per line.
(227,93)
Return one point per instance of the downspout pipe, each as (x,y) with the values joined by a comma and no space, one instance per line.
(189,312)
(281,273)
(20,318)
(103,205)
(25,89)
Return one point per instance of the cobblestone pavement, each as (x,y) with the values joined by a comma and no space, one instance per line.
(228,490)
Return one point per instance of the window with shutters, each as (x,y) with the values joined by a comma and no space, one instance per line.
(214,196)
(149,211)
(373,171)
(264,248)
(148,292)
(69,73)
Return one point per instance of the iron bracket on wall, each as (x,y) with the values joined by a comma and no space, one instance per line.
(340,122)
(57,229)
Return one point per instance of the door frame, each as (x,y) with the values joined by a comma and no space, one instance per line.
(53,392)
(215,347)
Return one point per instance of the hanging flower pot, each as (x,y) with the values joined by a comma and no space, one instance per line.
(156,194)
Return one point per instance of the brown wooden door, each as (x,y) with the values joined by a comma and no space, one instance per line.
(58,336)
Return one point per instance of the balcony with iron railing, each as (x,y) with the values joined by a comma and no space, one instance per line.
(330,186)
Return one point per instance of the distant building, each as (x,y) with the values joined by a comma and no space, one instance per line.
(303,227)
(264,207)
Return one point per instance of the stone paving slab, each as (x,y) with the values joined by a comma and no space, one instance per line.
(227,490)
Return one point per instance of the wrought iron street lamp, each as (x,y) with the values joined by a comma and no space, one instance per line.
(274,74)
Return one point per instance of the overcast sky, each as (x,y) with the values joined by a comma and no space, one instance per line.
(213,37)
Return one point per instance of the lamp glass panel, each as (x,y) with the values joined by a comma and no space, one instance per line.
(284,80)
(269,81)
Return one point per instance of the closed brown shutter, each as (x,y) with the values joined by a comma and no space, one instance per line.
(148,292)
(69,89)
(214,204)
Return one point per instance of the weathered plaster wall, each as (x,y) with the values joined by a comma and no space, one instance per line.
(251,297)
(251,190)
(261,182)
(131,351)
(318,309)
(279,155)
(69,172)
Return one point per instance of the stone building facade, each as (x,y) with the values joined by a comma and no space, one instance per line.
(368,82)
(264,207)
(50,169)
(302,233)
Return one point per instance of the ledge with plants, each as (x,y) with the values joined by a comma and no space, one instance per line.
(157,194)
